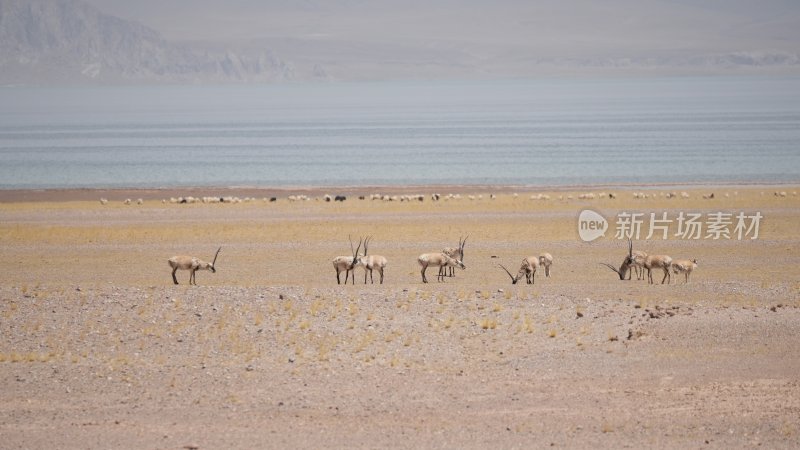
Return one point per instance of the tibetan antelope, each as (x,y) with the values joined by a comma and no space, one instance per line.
(662,262)
(546,260)
(514,279)
(457,253)
(527,267)
(348,264)
(439,260)
(685,266)
(626,263)
(637,264)
(372,262)
(191,264)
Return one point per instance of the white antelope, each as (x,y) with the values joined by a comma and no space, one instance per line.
(347,264)
(662,262)
(191,264)
(439,260)
(457,253)
(546,260)
(372,262)
(685,266)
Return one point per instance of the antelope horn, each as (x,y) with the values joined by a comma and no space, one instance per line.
(509,273)
(355,254)
(215,256)
(366,241)
(611,267)
(630,248)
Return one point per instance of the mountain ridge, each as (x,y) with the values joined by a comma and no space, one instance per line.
(50,41)
(72,42)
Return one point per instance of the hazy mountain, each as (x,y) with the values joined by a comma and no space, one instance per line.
(123,41)
(67,41)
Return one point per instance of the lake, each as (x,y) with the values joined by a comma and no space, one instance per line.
(547,132)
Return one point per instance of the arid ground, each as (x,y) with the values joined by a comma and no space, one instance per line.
(98,348)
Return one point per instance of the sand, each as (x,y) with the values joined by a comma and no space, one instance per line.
(98,349)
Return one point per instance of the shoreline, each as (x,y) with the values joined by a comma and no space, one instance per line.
(158,193)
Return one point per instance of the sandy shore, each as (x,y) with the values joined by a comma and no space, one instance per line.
(120,194)
(98,349)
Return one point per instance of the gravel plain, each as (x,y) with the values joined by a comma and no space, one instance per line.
(98,349)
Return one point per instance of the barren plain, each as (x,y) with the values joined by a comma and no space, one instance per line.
(98,348)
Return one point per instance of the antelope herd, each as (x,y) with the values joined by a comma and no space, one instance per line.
(450,258)
(641,261)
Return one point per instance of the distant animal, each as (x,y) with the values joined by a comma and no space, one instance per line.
(191,264)
(662,262)
(273,199)
(340,198)
(439,260)
(527,268)
(372,262)
(626,263)
(348,264)
(546,260)
(514,279)
(637,264)
(457,253)
(530,265)
(685,266)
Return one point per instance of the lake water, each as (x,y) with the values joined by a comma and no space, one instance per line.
(534,132)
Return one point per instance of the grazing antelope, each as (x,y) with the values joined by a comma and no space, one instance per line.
(457,253)
(372,262)
(348,264)
(514,279)
(527,267)
(191,264)
(626,263)
(684,265)
(662,262)
(439,260)
(546,260)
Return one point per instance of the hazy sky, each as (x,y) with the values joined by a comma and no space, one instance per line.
(550,27)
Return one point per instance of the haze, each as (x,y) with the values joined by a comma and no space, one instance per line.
(542,29)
